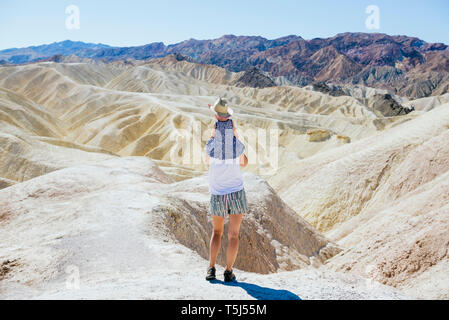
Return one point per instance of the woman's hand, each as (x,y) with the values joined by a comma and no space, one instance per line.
(243,160)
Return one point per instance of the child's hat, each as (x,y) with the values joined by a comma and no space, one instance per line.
(221,109)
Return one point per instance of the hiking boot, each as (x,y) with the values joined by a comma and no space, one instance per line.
(229,276)
(210,274)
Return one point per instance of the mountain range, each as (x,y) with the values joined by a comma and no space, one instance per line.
(404,65)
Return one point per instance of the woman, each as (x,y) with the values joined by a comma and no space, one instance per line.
(228,198)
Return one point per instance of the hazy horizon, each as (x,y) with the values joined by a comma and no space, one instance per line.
(167,44)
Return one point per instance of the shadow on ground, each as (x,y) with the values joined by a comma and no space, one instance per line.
(260,293)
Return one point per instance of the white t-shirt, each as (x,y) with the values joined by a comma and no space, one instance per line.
(225,176)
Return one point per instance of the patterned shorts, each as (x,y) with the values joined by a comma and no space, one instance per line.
(232,203)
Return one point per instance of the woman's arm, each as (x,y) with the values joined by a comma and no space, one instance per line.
(214,131)
(235,129)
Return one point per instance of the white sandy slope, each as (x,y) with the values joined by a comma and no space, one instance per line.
(385,199)
(107,224)
(428,103)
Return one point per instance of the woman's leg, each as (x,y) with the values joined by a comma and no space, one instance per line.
(215,241)
(233,239)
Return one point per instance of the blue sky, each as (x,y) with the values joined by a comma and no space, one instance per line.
(137,22)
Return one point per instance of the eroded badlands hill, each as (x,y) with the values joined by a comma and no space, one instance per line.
(133,110)
(386,199)
(78,188)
